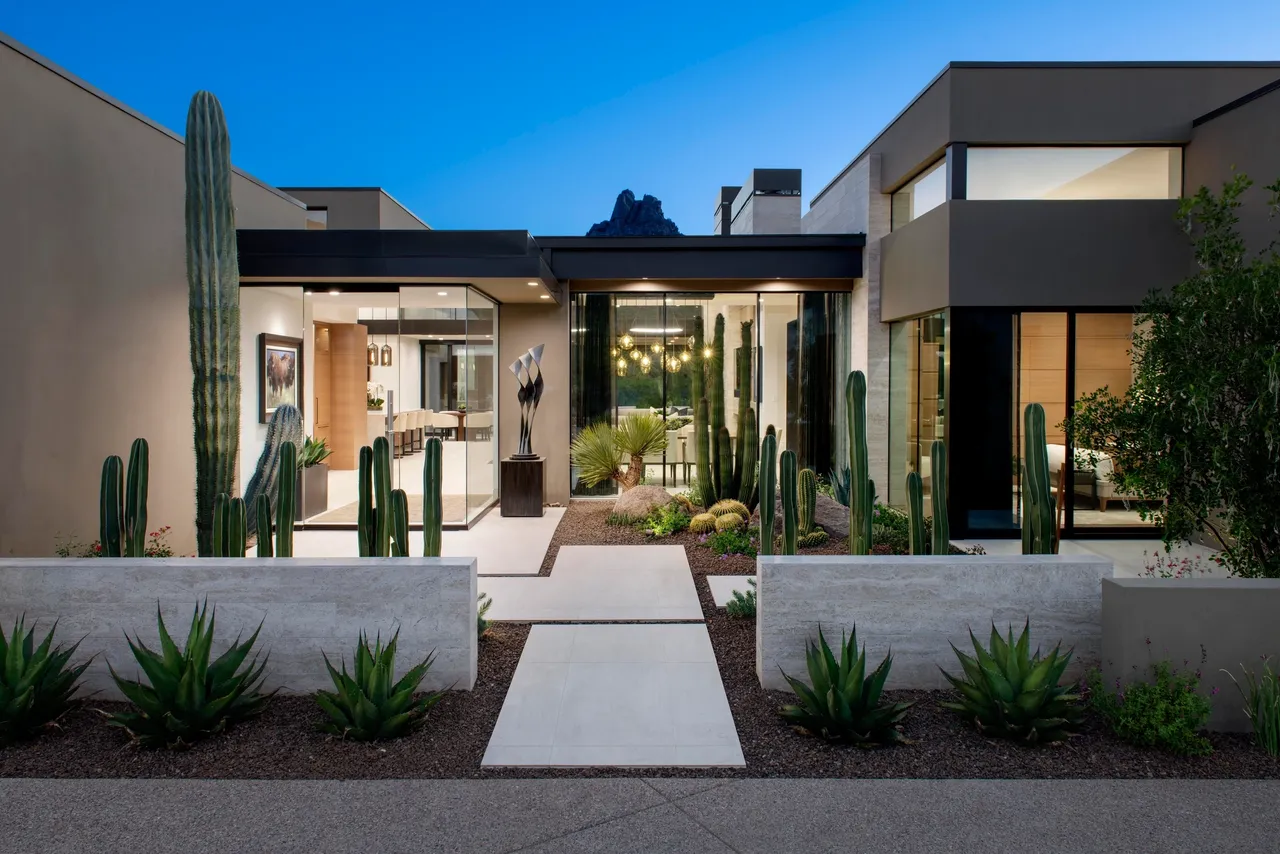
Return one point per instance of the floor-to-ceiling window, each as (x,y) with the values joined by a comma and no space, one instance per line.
(783,354)
(917,402)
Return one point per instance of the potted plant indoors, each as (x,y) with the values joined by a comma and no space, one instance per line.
(313,478)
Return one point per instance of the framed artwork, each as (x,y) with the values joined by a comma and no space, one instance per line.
(279,374)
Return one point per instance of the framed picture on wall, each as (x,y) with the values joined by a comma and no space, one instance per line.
(279,374)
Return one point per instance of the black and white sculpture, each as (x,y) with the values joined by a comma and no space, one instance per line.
(528,371)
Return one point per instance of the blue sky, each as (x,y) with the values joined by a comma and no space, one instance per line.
(535,115)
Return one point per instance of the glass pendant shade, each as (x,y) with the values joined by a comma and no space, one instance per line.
(635,355)
(644,364)
(621,367)
(373,353)
(386,355)
(625,342)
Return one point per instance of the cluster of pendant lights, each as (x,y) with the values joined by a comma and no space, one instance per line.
(379,357)
(628,353)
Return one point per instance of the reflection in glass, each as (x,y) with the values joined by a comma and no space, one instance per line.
(922,194)
(1081,172)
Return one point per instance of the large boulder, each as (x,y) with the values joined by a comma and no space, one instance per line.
(633,219)
(638,502)
(829,515)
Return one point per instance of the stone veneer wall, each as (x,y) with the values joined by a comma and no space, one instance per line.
(918,606)
(305,605)
(1228,621)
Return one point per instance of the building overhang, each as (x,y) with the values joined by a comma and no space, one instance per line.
(503,264)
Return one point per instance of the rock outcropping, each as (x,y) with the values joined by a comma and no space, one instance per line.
(634,219)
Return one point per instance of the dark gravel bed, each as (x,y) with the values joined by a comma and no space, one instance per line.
(284,742)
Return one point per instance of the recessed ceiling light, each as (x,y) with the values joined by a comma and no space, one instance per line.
(442,293)
(533,284)
(545,296)
(334,292)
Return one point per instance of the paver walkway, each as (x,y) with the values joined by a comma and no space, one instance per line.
(595,692)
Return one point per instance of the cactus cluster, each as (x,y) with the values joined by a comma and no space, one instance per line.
(284,427)
(727,468)
(941,539)
(1039,531)
(229,520)
(862,491)
(122,504)
(382,524)
(232,516)
(213,281)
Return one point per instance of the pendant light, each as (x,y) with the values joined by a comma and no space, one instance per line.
(372,353)
(386,354)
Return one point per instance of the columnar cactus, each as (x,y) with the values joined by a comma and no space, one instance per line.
(1038,523)
(432,499)
(724,454)
(862,491)
(768,490)
(915,513)
(751,461)
(938,487)
(701,416)
(111,506)
(122,506)
(807,500)
(382,493)
(399,523)
(366,513)
(744,457)
(228,526)
(285,426)
(715,377)
(262,512)
(790,526)
(213,284)
(286,500)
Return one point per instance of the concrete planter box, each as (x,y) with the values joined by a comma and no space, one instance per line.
(305,605)
(1233,619)
(918,606)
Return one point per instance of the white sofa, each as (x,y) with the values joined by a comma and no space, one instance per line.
(1100,487)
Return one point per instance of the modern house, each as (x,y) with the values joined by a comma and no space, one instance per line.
(987,249)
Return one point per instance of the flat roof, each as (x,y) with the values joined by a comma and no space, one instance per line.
(511,260)
(1102,64)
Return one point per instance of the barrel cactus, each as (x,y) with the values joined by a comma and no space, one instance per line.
(703,523)
(730,522)
(729,506)
(285,426)
(213,284)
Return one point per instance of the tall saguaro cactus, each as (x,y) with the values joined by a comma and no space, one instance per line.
(790,524)
(744,457)
(1038,511)
(938,497)
(213,283)
(768,490)
(915,513)
(432,499)
(701,413)
(715,377)
(862,491)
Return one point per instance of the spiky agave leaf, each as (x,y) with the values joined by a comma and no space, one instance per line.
(36,683)
(1008,692)
(842,702)
(371,705)
(187,696)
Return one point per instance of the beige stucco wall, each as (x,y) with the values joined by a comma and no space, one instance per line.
(93,305)
(519,328)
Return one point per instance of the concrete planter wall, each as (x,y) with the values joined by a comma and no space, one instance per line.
(918,606)
(1233,619)
(305,605)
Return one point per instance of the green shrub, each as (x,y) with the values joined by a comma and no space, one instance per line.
(189,697)
(1166,713)
(667,520)
(483,604)
(372,705)
(735,542)
(1009,693)
(842,703)
(1262,705)
(742,604)
(35,682)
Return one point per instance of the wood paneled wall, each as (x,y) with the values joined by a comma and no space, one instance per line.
(1102,353)
(1043,368)
(348,407)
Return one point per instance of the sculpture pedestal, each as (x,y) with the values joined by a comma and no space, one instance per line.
(522,489)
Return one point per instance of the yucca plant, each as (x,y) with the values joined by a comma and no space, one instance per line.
(1010,693)
(843,702)
(36,682)
(190,697)
(370,705)
(598,449)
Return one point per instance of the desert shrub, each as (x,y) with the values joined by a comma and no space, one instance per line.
(1165,713)
(726,543)
(1262,705)
(483,604)
(667,520)
(743,604)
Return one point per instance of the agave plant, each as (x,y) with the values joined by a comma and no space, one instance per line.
(35,682)
(190,697)
(1008,692)
(370,705)
(843,703)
